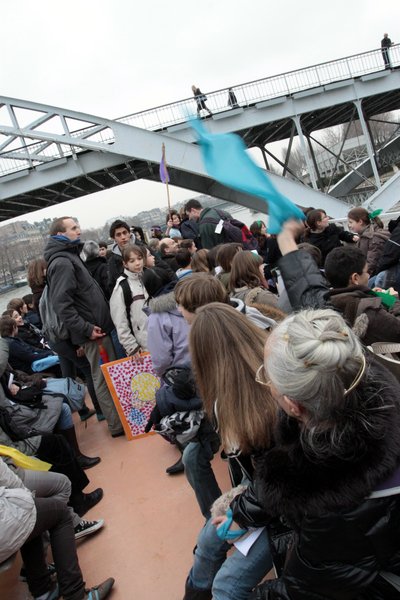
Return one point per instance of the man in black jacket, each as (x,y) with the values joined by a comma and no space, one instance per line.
(81,306)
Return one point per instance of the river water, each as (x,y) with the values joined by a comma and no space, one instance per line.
(16,293)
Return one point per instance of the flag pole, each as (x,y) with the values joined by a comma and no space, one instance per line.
(169,199)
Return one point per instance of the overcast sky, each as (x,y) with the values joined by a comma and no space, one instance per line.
(115,57)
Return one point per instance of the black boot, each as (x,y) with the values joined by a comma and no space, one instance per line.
(177,467)
(81,502)
(196,594)
(85,462)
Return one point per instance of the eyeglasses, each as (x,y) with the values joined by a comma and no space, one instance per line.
(261,376)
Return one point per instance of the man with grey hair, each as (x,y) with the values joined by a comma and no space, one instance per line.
(81,306)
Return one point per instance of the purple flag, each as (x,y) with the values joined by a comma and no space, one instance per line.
(163,167)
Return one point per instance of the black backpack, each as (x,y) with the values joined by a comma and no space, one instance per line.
(129,299)
(234,230)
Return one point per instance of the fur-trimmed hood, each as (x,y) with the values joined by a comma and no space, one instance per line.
(294,484)
(272,312)
(164,303)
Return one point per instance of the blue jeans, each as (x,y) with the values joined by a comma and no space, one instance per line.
(230,578)
(119,351)
(196,458)
(65,418)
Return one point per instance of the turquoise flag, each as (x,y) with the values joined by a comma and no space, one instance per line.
(226,160)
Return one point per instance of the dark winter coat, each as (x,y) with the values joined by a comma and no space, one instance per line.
(367,314)
(390,256)
(30,335)
(343,537)
(22,355)
(98,269)
(170,260)
(208,237)
(115,269)
(77,297)
(307,288)
(329,239)
(33,317)
(190,231)
(168,402)
(37,292)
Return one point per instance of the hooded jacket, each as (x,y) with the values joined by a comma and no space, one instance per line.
(76,296)
(344,514)
(138,339)
(167,334)
(371,243)
(257,295)
(17,512)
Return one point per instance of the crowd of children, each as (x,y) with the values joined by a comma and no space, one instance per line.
(263,355)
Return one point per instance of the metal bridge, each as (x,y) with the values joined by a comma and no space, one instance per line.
(49,155)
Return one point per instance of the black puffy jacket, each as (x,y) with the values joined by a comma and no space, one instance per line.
(346,535)
(77,297)
(329,239)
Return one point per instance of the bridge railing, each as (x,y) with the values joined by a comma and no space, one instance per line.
(248,94)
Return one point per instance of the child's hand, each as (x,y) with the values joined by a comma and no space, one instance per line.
(137,356)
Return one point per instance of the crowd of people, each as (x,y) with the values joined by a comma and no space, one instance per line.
(263,345)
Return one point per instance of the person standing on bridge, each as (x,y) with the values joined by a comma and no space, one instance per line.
(200,100)
(385,45)
(232,100)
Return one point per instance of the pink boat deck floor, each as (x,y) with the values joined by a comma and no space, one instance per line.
(152,519)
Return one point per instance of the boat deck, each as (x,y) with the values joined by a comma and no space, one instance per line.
(152,519)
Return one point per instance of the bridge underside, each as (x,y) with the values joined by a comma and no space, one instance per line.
(321,118)
(132,169)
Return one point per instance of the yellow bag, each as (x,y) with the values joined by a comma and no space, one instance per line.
(21,460)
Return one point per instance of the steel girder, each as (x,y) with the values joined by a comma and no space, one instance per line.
(89,152)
